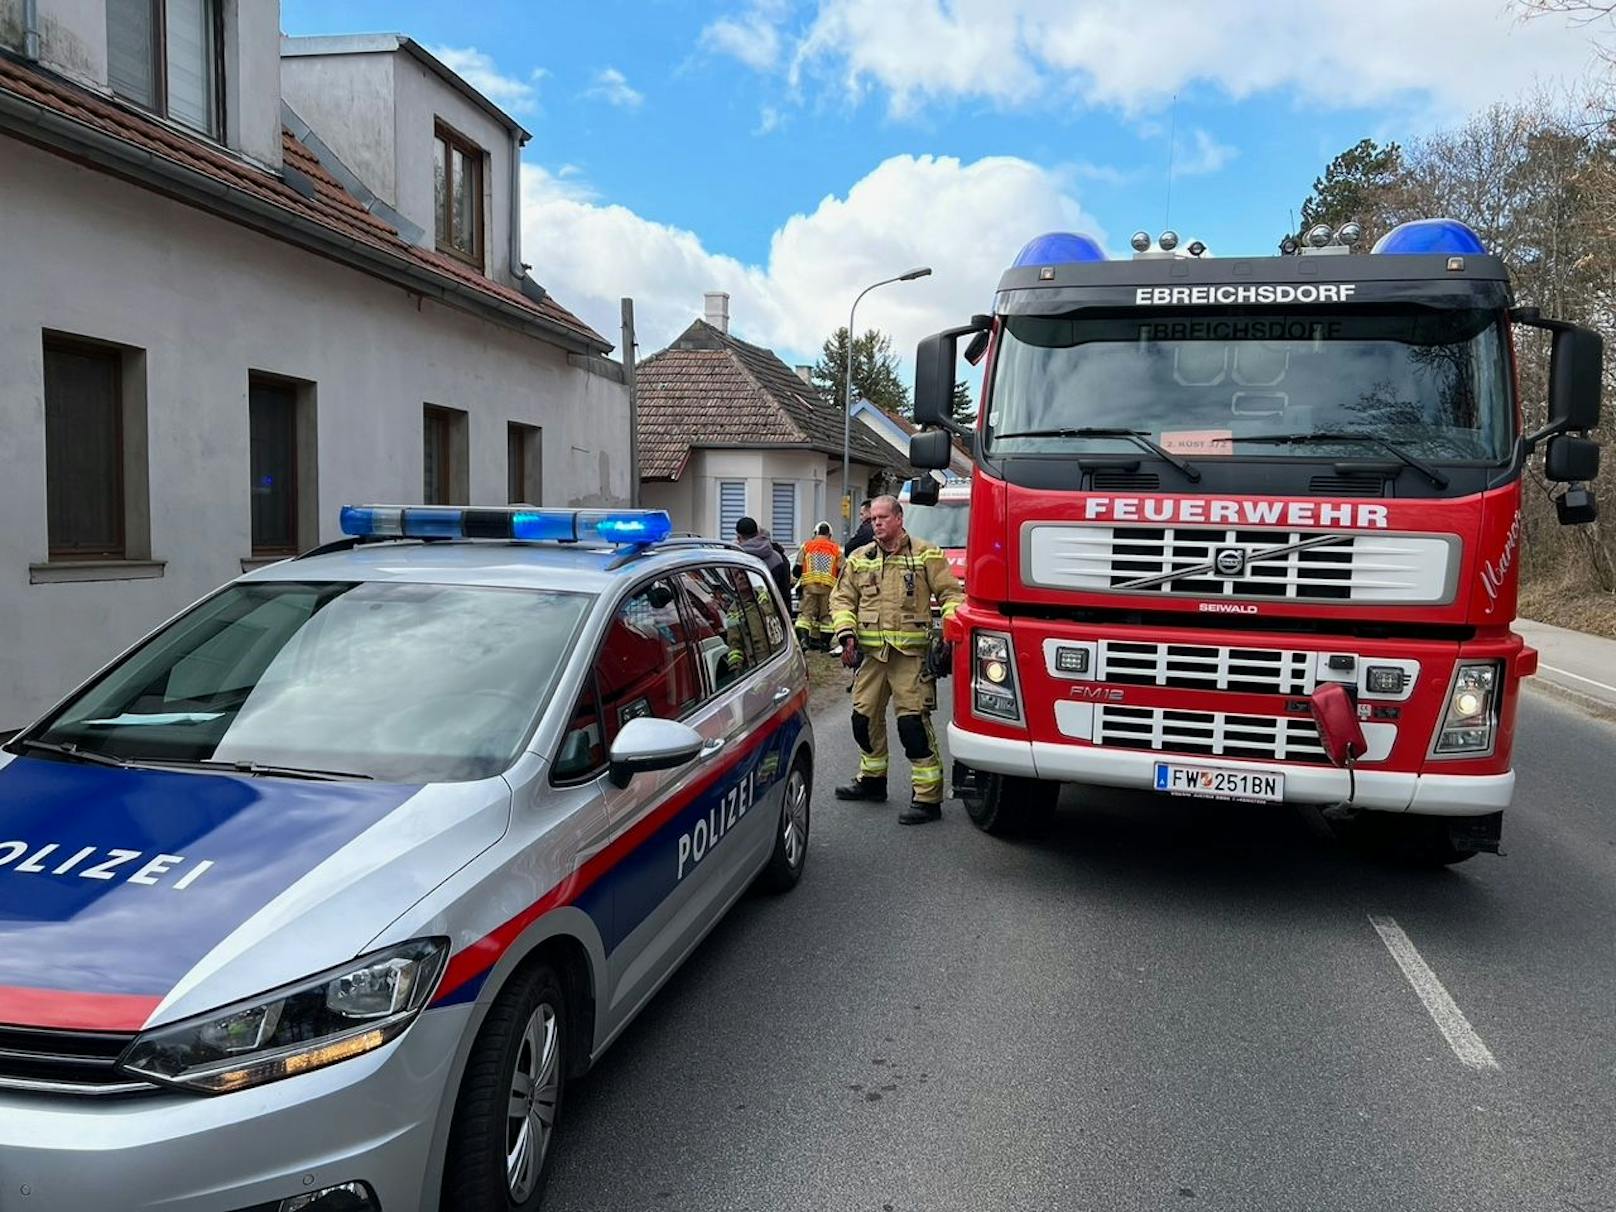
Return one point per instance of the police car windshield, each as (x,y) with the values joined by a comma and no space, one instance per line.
(1435,382)
(404,682)
(943,524)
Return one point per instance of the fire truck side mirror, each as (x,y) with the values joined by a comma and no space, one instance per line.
(1576,374)
(923,491)
(1568,459)
(934,378)
(931,449)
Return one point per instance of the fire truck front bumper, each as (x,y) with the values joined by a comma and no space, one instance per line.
(1378,790)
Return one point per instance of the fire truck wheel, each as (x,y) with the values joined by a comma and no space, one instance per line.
(1007,805)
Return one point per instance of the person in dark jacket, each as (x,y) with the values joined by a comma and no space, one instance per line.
(753,543)
(865,534)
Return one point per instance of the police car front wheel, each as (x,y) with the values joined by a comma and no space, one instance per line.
(791,837)
(510,1099)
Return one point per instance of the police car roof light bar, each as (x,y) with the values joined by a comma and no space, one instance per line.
(514,523)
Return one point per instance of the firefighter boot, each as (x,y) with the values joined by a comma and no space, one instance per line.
(863,788)
(920,814)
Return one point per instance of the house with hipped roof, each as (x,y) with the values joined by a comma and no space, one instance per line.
(250,279)
(726,429)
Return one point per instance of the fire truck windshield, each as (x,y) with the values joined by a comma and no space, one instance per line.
(1433,382)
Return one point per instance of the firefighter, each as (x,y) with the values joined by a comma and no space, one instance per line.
(881,613)
(818,564)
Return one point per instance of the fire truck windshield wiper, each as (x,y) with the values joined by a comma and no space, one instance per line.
(1138,437)
(1302,439)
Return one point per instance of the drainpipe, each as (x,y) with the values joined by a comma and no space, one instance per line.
(30,30)
(517,271)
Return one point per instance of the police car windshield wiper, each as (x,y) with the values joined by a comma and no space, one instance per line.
(1349,435)
(252,768)
(68,749)
(1138,437)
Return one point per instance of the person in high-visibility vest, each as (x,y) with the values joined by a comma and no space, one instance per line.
(881,612)
(818,564)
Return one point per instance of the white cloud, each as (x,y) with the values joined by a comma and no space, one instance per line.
(769,121)
(752,38)
(1203,155)
(612,87)
(477,69)
(909,210)
(1451,56)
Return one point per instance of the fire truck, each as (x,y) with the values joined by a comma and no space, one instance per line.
(1249,528)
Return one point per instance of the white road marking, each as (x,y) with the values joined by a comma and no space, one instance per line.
(1450,1020)
(1566,673)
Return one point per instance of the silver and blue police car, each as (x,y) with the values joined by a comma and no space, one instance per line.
(317,898)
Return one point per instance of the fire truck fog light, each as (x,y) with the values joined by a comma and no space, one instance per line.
(1383,679)
(1072,660)
(1464,740)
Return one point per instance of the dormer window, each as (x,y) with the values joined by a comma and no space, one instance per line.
(163,55)
(459,169)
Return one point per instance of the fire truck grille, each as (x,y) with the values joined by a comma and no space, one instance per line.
(1256,565)
(65,1062)
(1202,667)
(1210,733)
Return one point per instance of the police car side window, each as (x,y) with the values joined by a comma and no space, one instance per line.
(645,667)
(762,612)
(718,626)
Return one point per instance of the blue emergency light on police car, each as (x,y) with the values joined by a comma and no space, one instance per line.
(517,523)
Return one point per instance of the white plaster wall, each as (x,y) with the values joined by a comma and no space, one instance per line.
(252,85)
(209,301)
(421,97)
(677,497)
(73,39)
(348,101)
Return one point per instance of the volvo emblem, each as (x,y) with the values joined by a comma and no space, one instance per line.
(1230,561)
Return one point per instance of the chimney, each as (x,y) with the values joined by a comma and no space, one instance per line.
(806,374)
(718,310)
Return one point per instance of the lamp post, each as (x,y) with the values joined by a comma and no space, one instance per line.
(847,393)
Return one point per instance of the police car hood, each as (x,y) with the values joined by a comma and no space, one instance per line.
(130,897)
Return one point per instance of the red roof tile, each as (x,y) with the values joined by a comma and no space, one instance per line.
(332,206)
(710,389)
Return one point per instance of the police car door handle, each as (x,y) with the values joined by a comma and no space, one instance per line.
(782,693)
(712,747)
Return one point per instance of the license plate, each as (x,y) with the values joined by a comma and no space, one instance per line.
(1220,784)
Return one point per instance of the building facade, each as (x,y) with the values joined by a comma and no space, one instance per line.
(727,429)
(216,331)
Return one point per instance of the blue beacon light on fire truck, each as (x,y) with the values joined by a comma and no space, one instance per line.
(1431,236)
(523,525)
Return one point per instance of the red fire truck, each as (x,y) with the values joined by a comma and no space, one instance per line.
(1249,528)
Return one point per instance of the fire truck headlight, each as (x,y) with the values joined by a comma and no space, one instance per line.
(994,693)
(1471,718)
(339,1014)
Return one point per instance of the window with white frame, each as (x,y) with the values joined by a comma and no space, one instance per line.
(731,506)
(783,514)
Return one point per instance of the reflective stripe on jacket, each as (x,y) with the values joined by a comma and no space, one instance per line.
(885,600)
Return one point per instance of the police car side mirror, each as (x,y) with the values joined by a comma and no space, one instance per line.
(648,743)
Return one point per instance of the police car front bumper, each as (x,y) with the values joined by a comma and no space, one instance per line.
(1378,790)
(372,1119)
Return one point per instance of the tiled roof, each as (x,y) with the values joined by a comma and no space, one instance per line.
(710,389)
(332,207)
(959,462)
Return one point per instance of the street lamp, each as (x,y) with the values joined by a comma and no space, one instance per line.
(847,392)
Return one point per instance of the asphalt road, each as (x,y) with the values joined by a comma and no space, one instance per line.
(1160,1006)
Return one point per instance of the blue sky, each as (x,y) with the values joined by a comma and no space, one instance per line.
(791,153)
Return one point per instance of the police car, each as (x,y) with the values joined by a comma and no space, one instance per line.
(319,897)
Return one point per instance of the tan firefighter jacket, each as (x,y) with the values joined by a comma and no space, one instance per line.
(885,600)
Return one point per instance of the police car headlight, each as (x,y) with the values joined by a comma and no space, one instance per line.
(339,1014)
